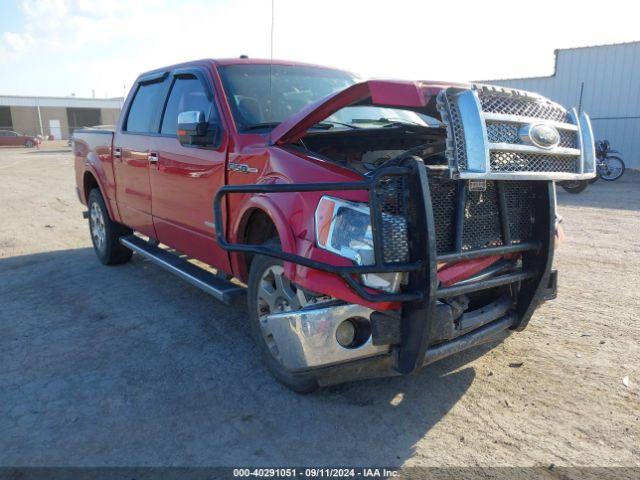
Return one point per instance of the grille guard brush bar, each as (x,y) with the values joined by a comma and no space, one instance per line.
(419,303)
(380,266)
(346,272)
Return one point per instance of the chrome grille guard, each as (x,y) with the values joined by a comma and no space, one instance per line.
(491,134)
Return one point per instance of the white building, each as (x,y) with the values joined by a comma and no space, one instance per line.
(603,81)
(56,116)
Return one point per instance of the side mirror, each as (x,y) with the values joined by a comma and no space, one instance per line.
(193,129)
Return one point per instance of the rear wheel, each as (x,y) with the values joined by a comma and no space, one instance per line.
(105,233)
(611,168)
(269,291)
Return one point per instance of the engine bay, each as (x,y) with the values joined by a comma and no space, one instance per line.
(366,149)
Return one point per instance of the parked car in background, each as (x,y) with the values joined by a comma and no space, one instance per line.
(9,138)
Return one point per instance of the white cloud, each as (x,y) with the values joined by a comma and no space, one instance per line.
(99,44)
(17,42)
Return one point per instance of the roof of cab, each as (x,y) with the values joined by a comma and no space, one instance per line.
(223,62)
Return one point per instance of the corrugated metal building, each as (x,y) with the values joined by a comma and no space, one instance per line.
(603,81)
(57,116)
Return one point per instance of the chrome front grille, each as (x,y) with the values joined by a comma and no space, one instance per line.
(488,136)
(508,133)
(535,107)
(457,134)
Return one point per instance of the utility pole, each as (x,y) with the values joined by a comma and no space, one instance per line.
(39,116)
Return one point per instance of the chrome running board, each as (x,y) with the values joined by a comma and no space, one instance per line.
(219,288)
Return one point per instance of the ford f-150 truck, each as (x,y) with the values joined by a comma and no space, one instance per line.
(373,226)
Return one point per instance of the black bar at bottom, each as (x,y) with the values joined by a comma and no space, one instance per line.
(484,284)
(477,337)
(485,252)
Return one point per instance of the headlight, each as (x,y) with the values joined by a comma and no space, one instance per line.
(344,228)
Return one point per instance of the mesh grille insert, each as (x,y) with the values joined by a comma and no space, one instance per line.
(526,107)
(443,200)
(481,219)
(519,199)
(531,162)
(392,198)
(482,225)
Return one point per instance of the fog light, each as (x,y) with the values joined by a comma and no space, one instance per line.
(346,333)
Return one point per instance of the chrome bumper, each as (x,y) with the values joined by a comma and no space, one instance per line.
(306,338)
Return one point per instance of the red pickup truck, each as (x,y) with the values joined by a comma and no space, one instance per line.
(373,226)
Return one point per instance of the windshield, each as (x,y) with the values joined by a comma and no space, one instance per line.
(367,116)
(292,88)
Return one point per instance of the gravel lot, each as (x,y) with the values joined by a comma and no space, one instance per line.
(130,366)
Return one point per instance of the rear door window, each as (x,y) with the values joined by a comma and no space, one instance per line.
(187,94)
(145,108)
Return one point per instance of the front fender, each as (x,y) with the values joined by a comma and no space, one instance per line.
(269,207)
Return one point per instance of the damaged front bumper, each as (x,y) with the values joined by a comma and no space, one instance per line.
(308,336)
(422,331)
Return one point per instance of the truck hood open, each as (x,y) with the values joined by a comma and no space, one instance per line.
(390,93)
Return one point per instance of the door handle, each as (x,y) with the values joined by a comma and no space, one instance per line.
(153,158)
(117,153)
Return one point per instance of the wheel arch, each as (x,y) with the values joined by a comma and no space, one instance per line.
(260,220)
(91,181)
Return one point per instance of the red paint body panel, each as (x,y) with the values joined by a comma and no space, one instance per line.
(455,273)
(182,184)
(94,156)
(172,201)
(392,93)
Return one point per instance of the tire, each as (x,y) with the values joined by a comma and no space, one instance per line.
(105,233)
(615,168)
(29,144)
(574,186)
(261,265)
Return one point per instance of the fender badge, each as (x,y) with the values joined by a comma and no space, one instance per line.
(477,185)
(241,168)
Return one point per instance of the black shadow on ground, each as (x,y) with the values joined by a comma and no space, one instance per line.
(131,366)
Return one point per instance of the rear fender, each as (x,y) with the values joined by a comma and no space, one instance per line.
(95,167)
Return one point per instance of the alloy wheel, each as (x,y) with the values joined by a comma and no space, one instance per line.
(98,228)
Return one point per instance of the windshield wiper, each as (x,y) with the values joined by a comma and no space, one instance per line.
(390,122)
(327,124)
(259,126)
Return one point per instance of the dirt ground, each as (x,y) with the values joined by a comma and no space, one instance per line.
(131,366)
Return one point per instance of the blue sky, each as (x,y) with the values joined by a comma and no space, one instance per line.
(60,47)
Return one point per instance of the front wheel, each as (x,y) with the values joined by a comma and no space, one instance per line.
(29,144)
(105,233)
(611,168)
(574,186)
(268,292)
